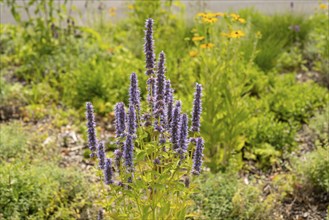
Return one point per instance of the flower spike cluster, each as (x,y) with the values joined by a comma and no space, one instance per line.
(145,151)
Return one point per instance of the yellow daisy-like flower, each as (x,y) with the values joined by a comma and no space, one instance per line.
(219,14)
(112,11)
(207,45)
(258,35)
(131,7)
(237,34)
(201,14)
(234,34)
(242,20)
(209,20)
(234,16)
(193,53)
(197,38)
(323,6)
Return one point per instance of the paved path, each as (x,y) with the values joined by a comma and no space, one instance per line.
(90,12)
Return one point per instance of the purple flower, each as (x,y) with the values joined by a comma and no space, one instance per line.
(175,125)
(149,47)
(108,172)
(169,102)
(91,128)
(117,159)
(146,119)
(197,157)
(162,139)
(134,93)
(183,130)
(100,215)
(159,108)
(197,108)
(101,155)
(120,119)
(157,161)
(132,125)
(187,182)
(128,153)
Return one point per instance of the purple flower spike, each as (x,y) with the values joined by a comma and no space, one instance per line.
(197,108)
(169,102)
(134,93)
(108,172)
(149,47)
(101,155)
(117,159)
(100,215)
(197,157)
(128,153)
(91,128)
(159,108)
(132,125)
(183,140)
(120,119)
(175,125)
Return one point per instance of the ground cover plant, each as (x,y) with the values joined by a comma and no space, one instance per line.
(264,100)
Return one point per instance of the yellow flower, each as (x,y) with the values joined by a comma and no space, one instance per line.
(131,7)
(201,14)
(323,6)
(219,14)
(193,53)
(112,11)
(197,38)
(207,45)
(236,34)
(258,35)
(209,20)
(235,17)
(242,20)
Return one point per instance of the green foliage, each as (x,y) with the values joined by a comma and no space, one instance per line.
(222,196)
(316,51)
(320,126)
(41,192)
(279,32)
(102,81)
(12,140)
(295,102)
(313,168)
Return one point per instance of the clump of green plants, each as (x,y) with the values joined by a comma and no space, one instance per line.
(41,192)
(313,169)
(156,160)
(12,140)
(223,196)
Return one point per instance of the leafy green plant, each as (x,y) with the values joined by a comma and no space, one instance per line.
(315,172)
(12,140)
(223,196)
(41,191)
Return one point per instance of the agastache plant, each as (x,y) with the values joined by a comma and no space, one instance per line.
(150,174)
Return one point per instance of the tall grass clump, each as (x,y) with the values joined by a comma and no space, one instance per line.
(158,155)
